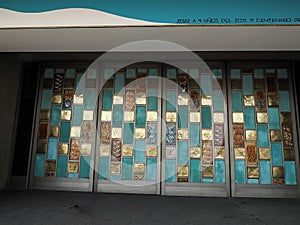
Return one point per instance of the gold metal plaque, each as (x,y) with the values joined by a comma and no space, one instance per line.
(86,149)
(278,181)
(171,116)
(151,116)
(56,99)
(218,117)
(63,148)
(73,167)
(78,99)
(75,131)
(278,172)
(88,115)
(115,168)
(140,133)
(273,101)
(118,100)
(251,135)
(139,169)
(264,153)
(208,171)
(50,166)
(206,100)
(151,151)
(206,135)
(44,114)
(106,116)
(253,172)
(139,177)
(116,133)
(127,151)
(219,153)
(195,152)
(275,135)
(237,117)
(54,131)
(239,153)
(195,117)
(262,117)
(183,171)
(249,101)
(104,150)
(183,134)
(141,100)
(66,114)
(41,147)
(129,116)
(289,154)
(183,99)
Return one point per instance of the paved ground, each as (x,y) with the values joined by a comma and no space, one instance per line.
(50,207)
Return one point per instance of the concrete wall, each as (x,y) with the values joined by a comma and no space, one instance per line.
(10,67)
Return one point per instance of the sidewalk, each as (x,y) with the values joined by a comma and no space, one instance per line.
(50,207)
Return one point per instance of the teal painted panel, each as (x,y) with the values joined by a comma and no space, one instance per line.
(49,72)
(119,83)
(206,117)
(253,181)
(77,115)
(152,100)
(282,73)
(52,148)
(130,73)
(39,165)
(151,169)
(90,99)
(284,101)
(107,99)
(195,173)
(249,118)
(139,151)
(290,172)
(171,73)
(117,116)
(217,73)
(103,168)
(46,99)
(236,98)
(276,152)
(65,132)
(240,171)
(171,100)
(171,170)
(115,177)
(62,166)
(55,115)
(220,176)
(259,73)
(274,121)
(218,101)
(73,175)
(85,162)
(194,73)
(128,133)
(108,73)
(127,168)
(183,117)
(195,135)
(140,116)
(235,74)
(70,73)
(265,172)
(153,72)
(183,152)
(247,85)
(206,84)
(207,180)
(263,136)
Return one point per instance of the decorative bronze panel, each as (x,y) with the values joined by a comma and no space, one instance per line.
(207,171)
(236,84)
(183,83)
(127,151)
(207,152)
(238,135)
(116,150)
(68,98)
(195,152)
(275,135)
(287,135)
(105,132)
(260,101)
(182,171)
(252,156)
(41,147)
(50,166)
(286,117)
(275,181)
(151,151)
(75,149)
(66,114)
(195,103)
(289,154)
(54,131)
(73,167)
(63,148)
(58,83)
(219,153)
(264,153)
(249,101)
(278,172)
(44,114)
(139,169)
(129,100)
(239,153)
(273,101)
(87,131)
(252,172)
(43,131)
(219,134)
(271,85)
(259,83)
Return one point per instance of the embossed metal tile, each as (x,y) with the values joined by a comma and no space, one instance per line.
(44,114)
(129,116)
(56,99)
(75,149)
(63,148)
(249,101)
(171,116)
(206,134)
(50,166)
(237,117)
(262,117)
(75,131)
(78,99)
(129,100)
(239,153)
(251,135)
(66,114)
(106,116)
(41,147)
(287,135)
(278,172)
(183,170)
(151,116)
(195,117)
(104,150)
(206,100)
(289,154)
(183,100)
(260,101)
(218,117)
(118,100)
(219,153)
(264,153)
(183,134)
(238,135)
(86,149)
(273,101)
(140,133)
(275,135)
(275,181)
(195,152)
(54,131)
(252,172)
(87,131)
(73,167)
(207,171)
(141,100)
(139,169)
(115,168)
(88,115)
(170,152)
(116,133)
(151,151)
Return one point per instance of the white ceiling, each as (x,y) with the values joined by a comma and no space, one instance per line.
(195,38)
